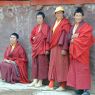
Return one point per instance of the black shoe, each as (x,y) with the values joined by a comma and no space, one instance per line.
(86,93)
(79,92)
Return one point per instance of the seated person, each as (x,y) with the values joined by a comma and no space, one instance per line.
(13,68)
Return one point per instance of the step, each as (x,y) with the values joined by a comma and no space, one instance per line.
(24,89)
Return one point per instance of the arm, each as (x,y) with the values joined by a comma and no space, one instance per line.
(32,35)
(48,39)
(64,40)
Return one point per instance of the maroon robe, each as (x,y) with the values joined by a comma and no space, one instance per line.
(39,48)
(58,67)
(79,71)
(8,70)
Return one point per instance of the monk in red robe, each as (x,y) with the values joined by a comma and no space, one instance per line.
(14,66)
(59,62)
(81,41)
(39,51)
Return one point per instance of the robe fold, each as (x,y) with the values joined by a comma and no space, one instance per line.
(18,55)
(79,71)
(58,41)
(39,45)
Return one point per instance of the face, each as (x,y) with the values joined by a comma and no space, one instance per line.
(78,17)
(59,15)
(40,19)
(13,39)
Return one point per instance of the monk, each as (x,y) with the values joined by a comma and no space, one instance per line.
(13,68)
(40,49)
(80,44)
(59,62)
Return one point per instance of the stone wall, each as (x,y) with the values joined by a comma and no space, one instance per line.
(22,19)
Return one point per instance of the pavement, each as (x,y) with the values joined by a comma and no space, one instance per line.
(24,89)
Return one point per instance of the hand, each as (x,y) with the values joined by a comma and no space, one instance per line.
(13,62)
(33,38)
(72,40)
(63,52)
(47,52)
(75,35)
(6,60)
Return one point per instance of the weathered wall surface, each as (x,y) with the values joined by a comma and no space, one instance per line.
(22,19)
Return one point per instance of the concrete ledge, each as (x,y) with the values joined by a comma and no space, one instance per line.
(23,89)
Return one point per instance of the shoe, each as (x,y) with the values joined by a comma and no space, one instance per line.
(79,92)
(38,84)
(32,84)
(49,88)
(60,89)
(86,93)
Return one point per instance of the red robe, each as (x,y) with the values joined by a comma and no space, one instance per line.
(63,27)
(79,49)
(58,67)
(19,56)
(79,71)
(39,45)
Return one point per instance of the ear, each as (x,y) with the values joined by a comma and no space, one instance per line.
(84,17)
(73,17)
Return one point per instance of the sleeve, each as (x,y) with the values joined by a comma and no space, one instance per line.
(62,38)
(32,35)
(64,41)
(5,53)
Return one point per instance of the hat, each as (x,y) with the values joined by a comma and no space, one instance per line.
(59,8)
